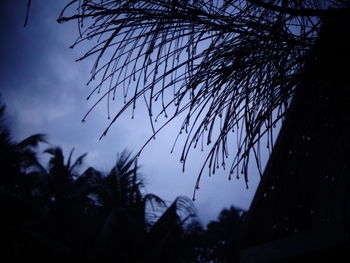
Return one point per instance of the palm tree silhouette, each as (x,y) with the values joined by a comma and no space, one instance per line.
(123,207)
(17,159)
(56,213)
(62,176)
(131,225)
(64,195)
(24,217)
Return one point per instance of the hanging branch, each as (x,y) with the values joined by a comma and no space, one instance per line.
(29,2)
(231,66)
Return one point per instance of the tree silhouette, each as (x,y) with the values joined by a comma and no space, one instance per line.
(16,158)
(176,234)
(123,209)
(132,229)
(23,213)
(225,66)
(64,215)
(53,212)
(222,236)
(65,194)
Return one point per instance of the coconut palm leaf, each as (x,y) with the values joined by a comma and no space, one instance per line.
(70,157)
(153,208)
(57,159)
(90,177)
(127,212)
(32,141)
(5,138)
(78,162)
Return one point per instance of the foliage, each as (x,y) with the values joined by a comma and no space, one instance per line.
(54,212)
(222,236)
(226,66)
(16,158)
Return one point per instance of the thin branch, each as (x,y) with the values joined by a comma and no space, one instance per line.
(302,11)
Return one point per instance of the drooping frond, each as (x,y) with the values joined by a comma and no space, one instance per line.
(57,159)
(225,66)
(123,183)
(77,163)
(32,141)
(181,214)
(154,207)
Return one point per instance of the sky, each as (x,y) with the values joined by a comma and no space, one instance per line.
(45,91)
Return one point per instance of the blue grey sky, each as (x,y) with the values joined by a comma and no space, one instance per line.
(45,91)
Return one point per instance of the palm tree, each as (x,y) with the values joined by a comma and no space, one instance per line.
(132,227)
(17,159)
(231,66)
(23,215)
(62,176)
(56,212)
(123,211)
(66,196)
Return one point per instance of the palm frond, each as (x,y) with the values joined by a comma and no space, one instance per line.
(54,151)
(5,138)
(187,211)
(57,159)
(2,111)
(29,2)
(123,184)
(32,141)
(225,66)
(78,162)
(91,174)
(38,167)
(89,181)
(154,207)
(70,157)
